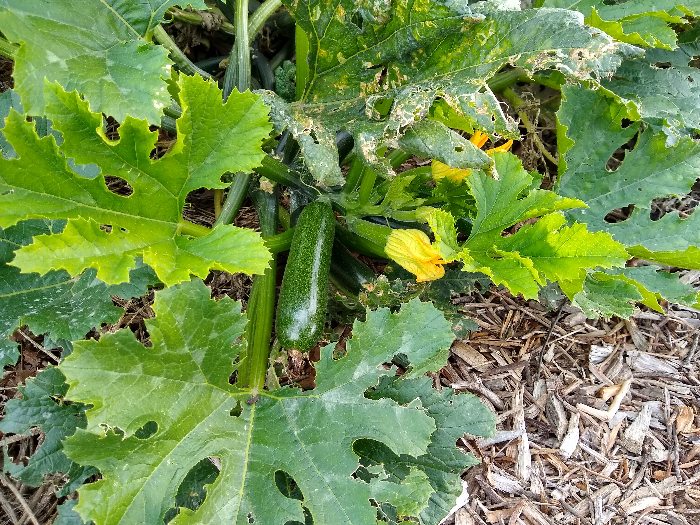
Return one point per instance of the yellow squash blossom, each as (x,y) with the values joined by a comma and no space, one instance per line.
(412,250)
(441,170)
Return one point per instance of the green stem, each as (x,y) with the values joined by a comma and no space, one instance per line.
(354,175)
(195,19)
(260,16)
(276,61)
(397,157)
(236,195)
(261,306)
(183,63)
(505,79)
(302,52)
(519,105)
(8,49)
(276,171)
(364,237)
(369,177)
(280,242)
(241,46)
(218,199)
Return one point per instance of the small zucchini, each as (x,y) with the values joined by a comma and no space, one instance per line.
(301,308)
(349,274)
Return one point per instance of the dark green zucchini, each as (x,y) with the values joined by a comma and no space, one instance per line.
(301,308)
(349,274)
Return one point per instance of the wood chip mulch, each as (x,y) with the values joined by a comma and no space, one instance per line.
(598,421)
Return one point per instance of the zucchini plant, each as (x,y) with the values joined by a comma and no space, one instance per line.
(375,84)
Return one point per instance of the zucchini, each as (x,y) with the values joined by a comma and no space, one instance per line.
(349,274)
(301,308)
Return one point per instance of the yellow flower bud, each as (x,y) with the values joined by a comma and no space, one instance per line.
(502,148)
(479,139)
(412,250)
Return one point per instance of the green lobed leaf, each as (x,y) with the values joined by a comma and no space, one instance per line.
(376,68)
(664,86)
(182,384)
(638,22)
(397,286)
(433,140)
(653,284)
(56,419)
(607,298)
(652,169)
(64,307)
(524,260)
(100,48)
(443,462)
(212,138)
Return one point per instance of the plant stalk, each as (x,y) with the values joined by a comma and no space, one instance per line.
(519,106)
(236,195)
(195,19)
(261,305)
(260,16)
(241,46)
(183,63)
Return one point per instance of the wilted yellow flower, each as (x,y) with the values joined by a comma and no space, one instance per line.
(441,170)
(412,250)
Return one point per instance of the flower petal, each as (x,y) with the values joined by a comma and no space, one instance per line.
(413,251)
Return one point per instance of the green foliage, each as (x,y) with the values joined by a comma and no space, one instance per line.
(638,22)
(55,303)
(66,514)
(149,222)
(653,168)
(406,77)
(377,68)
(284,81)
(663,85)
(523,261)
(101,49)
(397,286)
(42,405)
(308,435)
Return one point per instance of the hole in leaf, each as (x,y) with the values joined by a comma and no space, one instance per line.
(357,19)
(251,518)
(287,486)
(662,65)
(619,214)
(146,431)
(618,156)
(111,128)
(237,410)
(199,207)
(106,227)
(625,123)
(459,149)
(308,520)
(118,186)
(192,491)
